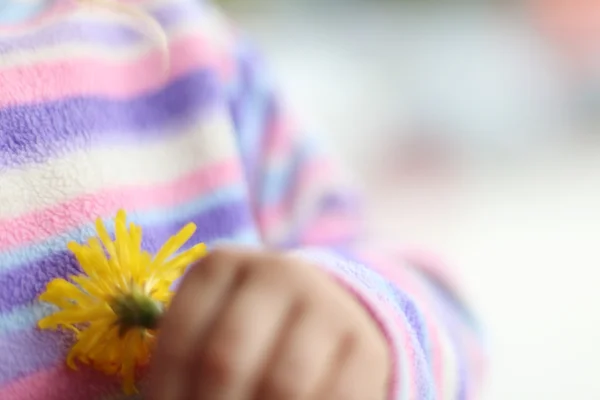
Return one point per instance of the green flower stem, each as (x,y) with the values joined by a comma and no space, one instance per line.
(137,310)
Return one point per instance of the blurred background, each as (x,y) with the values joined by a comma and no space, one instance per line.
(473,126)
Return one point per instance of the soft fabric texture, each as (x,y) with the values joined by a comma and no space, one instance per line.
(95,117)
(14,11)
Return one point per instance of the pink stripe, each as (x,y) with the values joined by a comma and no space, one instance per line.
(70,78)
(407,343)
(272,216)
(51,13)
(410,286)
(279,138)
(437,363)
(45,223)
(381,312)
(397,274)
(471,350)
(330,228)
(60,383)
(317,169)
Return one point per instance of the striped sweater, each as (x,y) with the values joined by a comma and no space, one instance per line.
(91,121)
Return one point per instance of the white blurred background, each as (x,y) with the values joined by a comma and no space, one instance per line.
(474,128)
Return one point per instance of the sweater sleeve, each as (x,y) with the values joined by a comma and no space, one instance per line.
(303,205)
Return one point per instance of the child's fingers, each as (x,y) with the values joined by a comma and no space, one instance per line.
(197,302)
(231,360)
(361,375)
(302,360)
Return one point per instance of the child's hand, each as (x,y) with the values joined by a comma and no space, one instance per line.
(261,326)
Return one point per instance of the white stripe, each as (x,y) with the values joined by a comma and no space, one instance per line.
(25,317)
(32,252)
(106,53)
(83,172)
(305,205)
(90,14)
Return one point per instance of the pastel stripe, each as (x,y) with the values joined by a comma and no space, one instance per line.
(369,292)
(412,288)
(446,344)
(60,383)
(434,300)
(279,180)
(466,342)
(121,47)
(419,381)
(80,123)
(250,102)
(64,217)
(26,352)
(98,33)
(81,50)
(310,185)
(91,121)
(295,180)
(146,73)
(294,188)
(61,11)
(329,230)
(416,323)
(21,11)
(288,218)
(34,252)
(22,285)
(205,144)
(26,317)
(398,277)
(280,135)
(92,29)
(33,342)
(22,318)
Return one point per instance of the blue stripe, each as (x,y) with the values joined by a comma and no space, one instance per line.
(37,132)
(26,317)
(281,178)
(34,252)
(23,317)
(368,279)
(14,11)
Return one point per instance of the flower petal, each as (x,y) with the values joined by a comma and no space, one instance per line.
(173,244)
(130,344)
(64,294)
(76,316)
(111,269)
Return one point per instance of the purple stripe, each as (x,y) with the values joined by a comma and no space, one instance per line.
(93,32)
(23,285)
(354,269)
(27,352)
(36,133)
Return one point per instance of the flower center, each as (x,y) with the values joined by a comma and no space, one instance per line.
(136,310)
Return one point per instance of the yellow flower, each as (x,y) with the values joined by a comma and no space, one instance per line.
(114,306)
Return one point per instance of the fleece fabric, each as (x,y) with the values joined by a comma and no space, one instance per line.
(98,114)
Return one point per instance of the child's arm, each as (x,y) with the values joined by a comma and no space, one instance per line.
(301,206)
